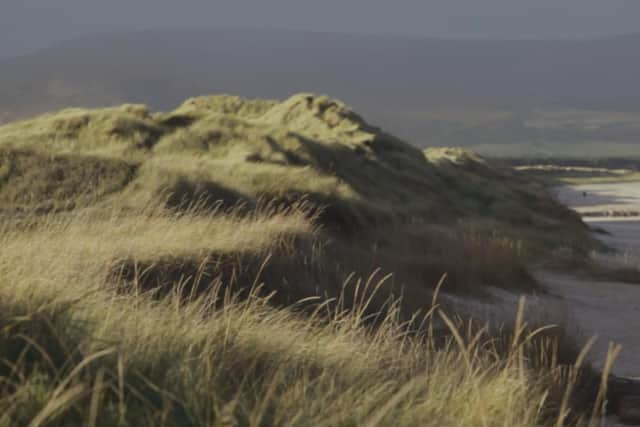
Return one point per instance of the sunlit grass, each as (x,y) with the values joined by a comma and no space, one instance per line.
(255,263)
(76,350)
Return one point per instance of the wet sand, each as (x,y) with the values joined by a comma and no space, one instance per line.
(603,201)
(610,310)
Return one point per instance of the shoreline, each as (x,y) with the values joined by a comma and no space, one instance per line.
(608,309)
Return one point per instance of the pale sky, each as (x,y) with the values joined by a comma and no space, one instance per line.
(30,24)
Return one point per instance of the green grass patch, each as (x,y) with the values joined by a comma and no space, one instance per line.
(35,180)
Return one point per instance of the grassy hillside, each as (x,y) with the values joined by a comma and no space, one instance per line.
(249,262)
(358,182)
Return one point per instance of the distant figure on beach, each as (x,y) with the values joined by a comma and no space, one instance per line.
(584,194)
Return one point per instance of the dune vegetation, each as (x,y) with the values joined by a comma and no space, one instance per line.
(257,263)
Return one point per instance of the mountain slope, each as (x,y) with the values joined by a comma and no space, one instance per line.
(389,78)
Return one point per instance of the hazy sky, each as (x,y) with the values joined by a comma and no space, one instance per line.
(30,24)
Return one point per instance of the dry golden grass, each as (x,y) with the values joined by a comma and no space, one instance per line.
(40,181)
(75,352)
(370,189)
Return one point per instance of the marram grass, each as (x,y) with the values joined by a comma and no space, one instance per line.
(76,351)
(200,268)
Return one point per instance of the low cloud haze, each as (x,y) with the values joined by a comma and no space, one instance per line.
(30,24)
